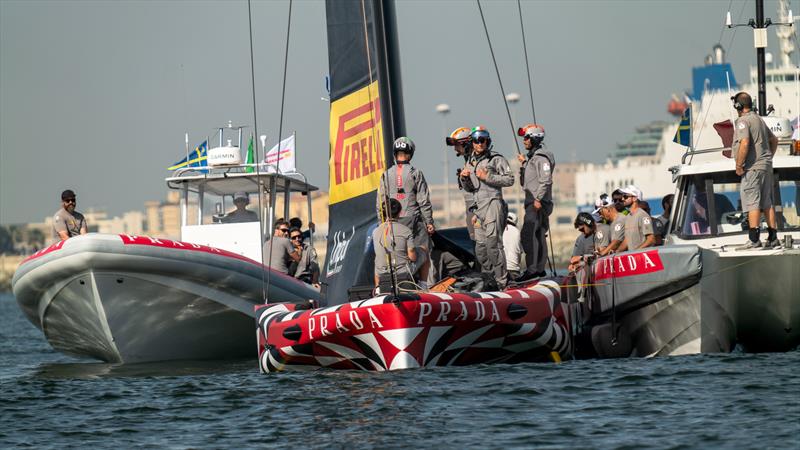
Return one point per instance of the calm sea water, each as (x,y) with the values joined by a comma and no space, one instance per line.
(710,401)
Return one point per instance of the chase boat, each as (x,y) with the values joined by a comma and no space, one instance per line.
(132,299)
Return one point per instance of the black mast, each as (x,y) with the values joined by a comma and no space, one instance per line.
(762,82)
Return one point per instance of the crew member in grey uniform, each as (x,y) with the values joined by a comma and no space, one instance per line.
(755,144)
(536,177)
(584,243)
(406,184)
(489,172)
(460,141)
(602,233)
(638,224)
(612,213)
(67,222)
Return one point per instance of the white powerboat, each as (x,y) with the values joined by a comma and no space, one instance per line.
(130,299)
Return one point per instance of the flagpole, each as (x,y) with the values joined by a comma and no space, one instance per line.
(186,144)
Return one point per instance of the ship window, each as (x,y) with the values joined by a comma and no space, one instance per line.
(789,77)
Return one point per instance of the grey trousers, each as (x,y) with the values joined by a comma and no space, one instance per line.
(534,229)
(489,240)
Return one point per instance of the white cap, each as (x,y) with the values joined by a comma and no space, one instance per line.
(602,201)
(632,191)
(512,218)
(241,194)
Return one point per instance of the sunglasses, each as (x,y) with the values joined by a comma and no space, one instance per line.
(69,200)
(284,230)
(480,140)
(297,238)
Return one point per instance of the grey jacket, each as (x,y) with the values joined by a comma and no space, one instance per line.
(499,176)
(469,197)
(410,189)
(537,179)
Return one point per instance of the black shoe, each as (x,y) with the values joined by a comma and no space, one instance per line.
(541,274)
(526,276)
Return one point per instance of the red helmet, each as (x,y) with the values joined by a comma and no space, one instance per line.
(533,131)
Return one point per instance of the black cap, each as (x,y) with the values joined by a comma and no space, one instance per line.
(67,194)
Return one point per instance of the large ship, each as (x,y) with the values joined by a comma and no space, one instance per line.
(646,163)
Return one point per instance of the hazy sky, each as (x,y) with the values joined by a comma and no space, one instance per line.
(96,96)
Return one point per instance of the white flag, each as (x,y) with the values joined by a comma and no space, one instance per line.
(281,157)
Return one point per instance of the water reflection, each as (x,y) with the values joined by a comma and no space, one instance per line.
(93,370)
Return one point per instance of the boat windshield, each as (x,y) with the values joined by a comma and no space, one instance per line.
(711,205)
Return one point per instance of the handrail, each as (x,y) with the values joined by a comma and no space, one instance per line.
(690,151)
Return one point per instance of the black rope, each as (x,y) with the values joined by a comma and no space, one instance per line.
(527,66)
(255,129)
(280,129)
(499,81)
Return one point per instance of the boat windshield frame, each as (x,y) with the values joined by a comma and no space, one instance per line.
(688,187)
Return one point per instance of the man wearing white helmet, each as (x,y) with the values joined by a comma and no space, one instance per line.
(602,233)
(512,246)
(536,178)
(489,173)
(406,184)
(460,141)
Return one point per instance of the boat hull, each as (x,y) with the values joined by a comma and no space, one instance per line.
(122,299)
(746,299)
(418,330)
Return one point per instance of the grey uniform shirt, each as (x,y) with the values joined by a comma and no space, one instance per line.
(469,196)
(407,184)
(307,258)
(658,226)
(538,177)
(276,253)
(637,226)
(584,245)
(602,236)
(71,223)
(618,228)
(498,176)
(391,238)
(751,126)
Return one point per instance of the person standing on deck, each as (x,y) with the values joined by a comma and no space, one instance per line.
(666,204)
(512,246)
(67,222)
(611,213)
(602,233)
(489,172)
(754,146)
(460,141)
(536,178)
(638,224)
(406,184)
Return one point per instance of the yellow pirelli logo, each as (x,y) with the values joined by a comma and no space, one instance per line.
(356,162)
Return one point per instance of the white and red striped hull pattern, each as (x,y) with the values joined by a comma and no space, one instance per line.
(417,330)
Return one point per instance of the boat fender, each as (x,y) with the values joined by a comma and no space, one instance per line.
(293,333)
(516,311)
(606,346)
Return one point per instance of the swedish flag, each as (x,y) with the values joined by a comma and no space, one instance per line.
(196,158)
(684,134)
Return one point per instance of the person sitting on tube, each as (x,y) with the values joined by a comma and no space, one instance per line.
(584,244)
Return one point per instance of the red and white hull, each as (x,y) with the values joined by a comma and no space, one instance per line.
(417,330)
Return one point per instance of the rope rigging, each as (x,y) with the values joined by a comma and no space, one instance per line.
(527,65)
(499,81)
(264,290)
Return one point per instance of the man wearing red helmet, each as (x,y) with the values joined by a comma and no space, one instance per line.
(536,177)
